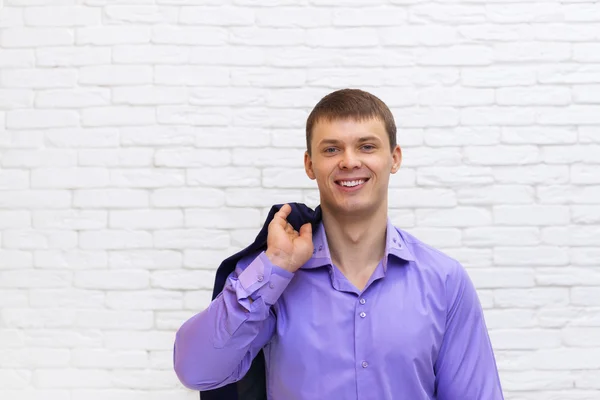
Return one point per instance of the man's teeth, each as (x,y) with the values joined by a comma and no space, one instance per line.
(352,183)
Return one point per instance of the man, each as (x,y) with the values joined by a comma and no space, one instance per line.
(357,308)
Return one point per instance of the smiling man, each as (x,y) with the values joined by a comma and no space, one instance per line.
(356,308)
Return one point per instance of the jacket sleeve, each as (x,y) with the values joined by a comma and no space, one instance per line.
(216,346)
(466,367)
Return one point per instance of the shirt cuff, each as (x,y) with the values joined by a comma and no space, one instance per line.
(263,279)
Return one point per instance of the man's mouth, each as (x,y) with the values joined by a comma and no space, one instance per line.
(351,183)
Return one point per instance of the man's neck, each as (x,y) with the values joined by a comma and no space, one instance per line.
(356,244)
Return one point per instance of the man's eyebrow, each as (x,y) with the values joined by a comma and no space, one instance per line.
(360,140)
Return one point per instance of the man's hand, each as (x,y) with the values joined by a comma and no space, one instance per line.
(287,248)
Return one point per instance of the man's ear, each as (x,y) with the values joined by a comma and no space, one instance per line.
(308,166)
(397,159)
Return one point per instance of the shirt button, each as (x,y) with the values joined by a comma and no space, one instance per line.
(260,278)
(363,314)
(271,285)
(362,301)
(365,364)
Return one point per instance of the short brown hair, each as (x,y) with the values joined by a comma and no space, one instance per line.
(354,104)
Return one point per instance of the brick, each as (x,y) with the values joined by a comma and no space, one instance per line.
(559,317)
(585,174)
(254,36)
(195,238)
(535,215)
(39,239)
(454,176)
(114,319)
(585,214)
(171,320)
(140,340)
(538,135)
(587,379)
(15,378)
(456,217)
(531,297)
(40,319)
(426,157)
(15,219)
(203,36)
(114,239)
(516,318)
(188,280)
(147,379)
(461,136)
(11,17)
(404,178)
(504,116)
(79,137)
(586,52)
(34,279)
(62,16)
(233,96)
(380,16)
(69,219)
(524,12)
(299,17)
(112,35)
(161,359)
(32,394)
(36,37)
(521,339)
(150,54)
(72,98)
(15,259)
(217,16)
(140,300)
(561,32)
(27,119)
(188,197)
(530,256)
(38,78)
(66,298)
(456,97)
(437,237)
(197,299)
(496,33)
(71,378)
(108,359)
(589,134)
(17,58)
(501,155)
(533,96)
(205,258)
(38,158)
(186,157)
(146,178)
(145,259)
(224,177)
(149,95)
(19,139)
(446,13)
(581,12)
(158,135)
(411,35)
(457,55)
(568,276)
(585,256)
(140,13)
(533,174)
(250,197)
(571,154)
(419,197)
(496,194)
(191,115)
(14,179)
(146,219)
(228,218)
(501,236)
(571,236)
(134,157)
(115,75)
(277,78)
(70,259)
(118,115)
(238,56)
(574,114)
(505,277)
(35,199)
(531,52)
(586,94)
(286,178)
(585,296)
(568,73)
(421,76)
(499,76)
(12,298)
(38,358)
(112,280)
(15,98)
(69,178)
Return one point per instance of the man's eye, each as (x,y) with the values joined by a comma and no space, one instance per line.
(330,150)
(368,147)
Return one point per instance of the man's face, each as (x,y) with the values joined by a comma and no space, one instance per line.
(352,161)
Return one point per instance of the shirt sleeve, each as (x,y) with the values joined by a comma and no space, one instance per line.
(466,367)
(216,346)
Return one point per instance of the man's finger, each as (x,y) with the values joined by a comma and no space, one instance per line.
(306,231)
(280,217)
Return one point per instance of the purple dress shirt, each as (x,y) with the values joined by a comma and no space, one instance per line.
(416,331)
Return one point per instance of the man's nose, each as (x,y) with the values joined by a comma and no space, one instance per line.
(350,160)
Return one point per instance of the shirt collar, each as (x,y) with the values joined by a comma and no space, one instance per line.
(394,245)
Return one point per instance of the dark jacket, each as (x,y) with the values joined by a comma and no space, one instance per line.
(253,385)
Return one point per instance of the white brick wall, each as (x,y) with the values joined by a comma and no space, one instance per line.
(143,141)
